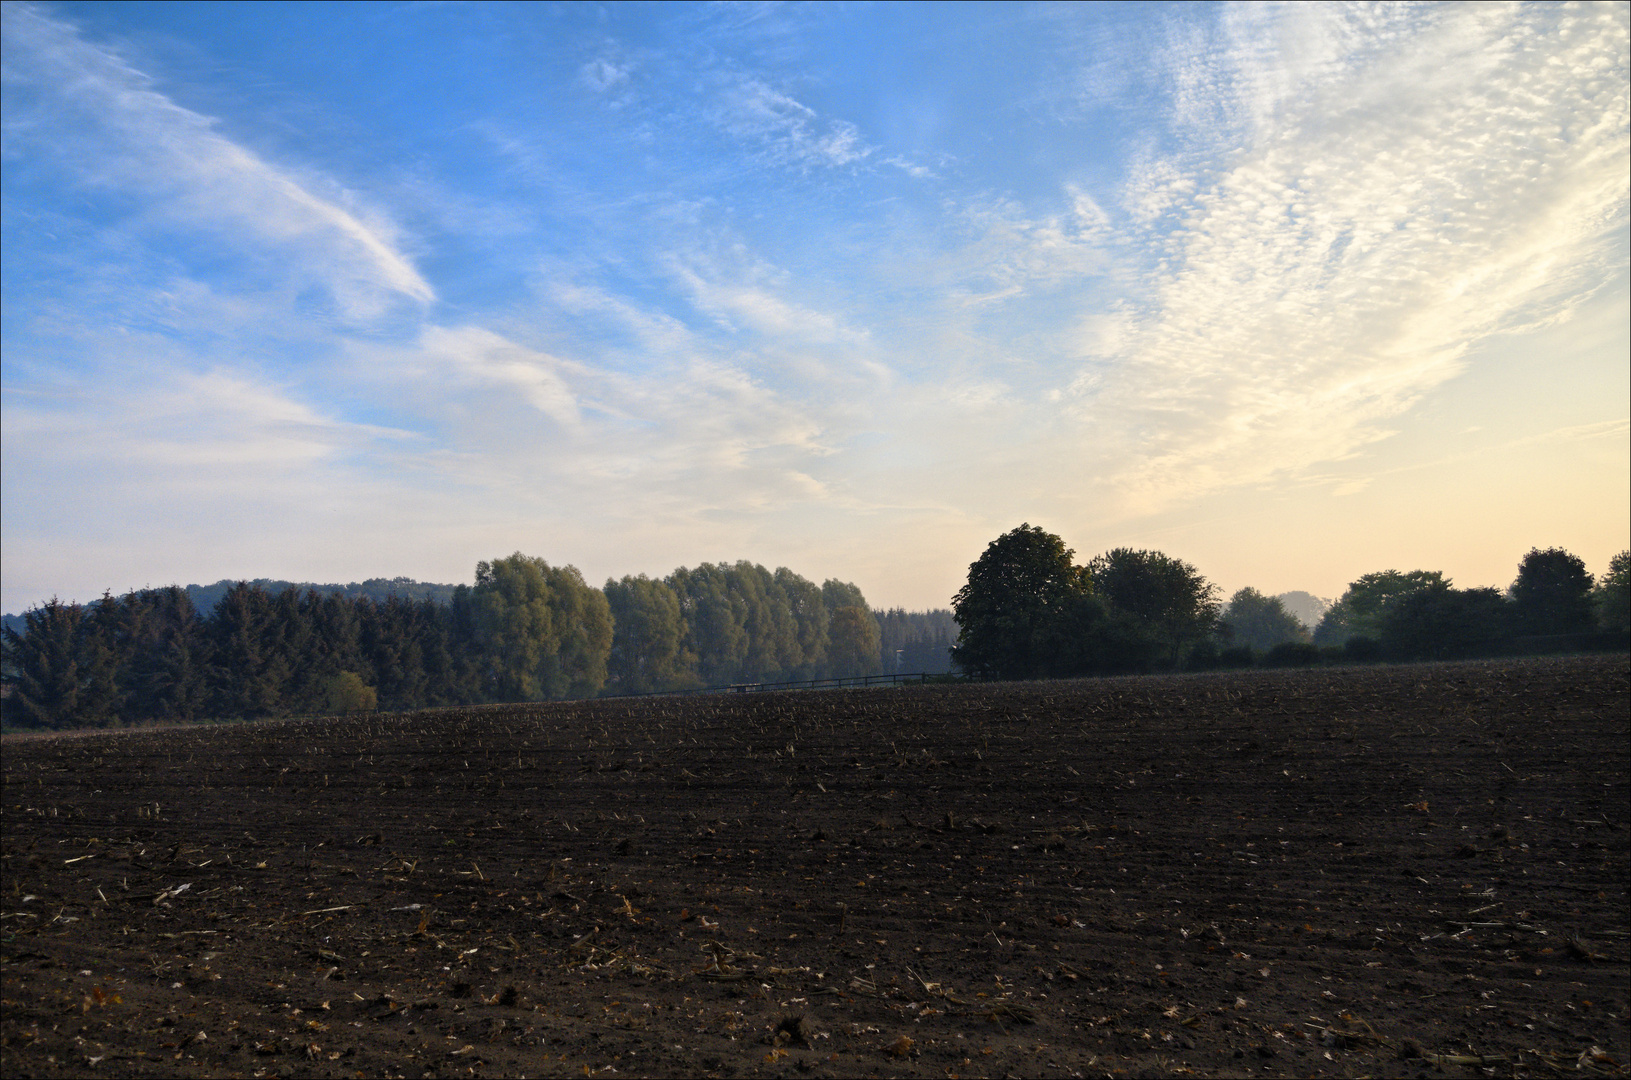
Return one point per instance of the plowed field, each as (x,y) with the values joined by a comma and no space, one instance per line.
(1371,871)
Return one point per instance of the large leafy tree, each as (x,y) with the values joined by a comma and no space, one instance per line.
(1552,594)
(739,623)
(810,618)
(540,630)
(836,594)
(1090,637)
(515,628)
(584,622)
(852,648)
(1167,596)
(647,637)
(715,622)
(1009,611)
(1442,623)
(1260,621)
(1361,610)
(772,637)
(1612,597)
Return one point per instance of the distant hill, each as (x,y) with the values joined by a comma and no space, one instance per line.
(1308,608)
(205,597)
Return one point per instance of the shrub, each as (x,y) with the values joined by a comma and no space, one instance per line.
(1362,650)
(1203,656)
(1292,654)
(346,693)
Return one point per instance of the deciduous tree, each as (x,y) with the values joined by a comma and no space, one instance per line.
(852,642)
(1360,610)
(715,622)
(810,618)
(1441,623)
(1168,596)
(1009,611)
(1552,594)
(647,637)
(540,630)
(1261,622)
(1612,597)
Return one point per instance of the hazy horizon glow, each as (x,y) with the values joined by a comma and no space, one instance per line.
(1293,293)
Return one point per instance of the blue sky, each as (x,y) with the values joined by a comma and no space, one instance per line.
(331,292)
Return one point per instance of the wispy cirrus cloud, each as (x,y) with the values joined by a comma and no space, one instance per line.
(87,107)
(1398,194)
(1009,252)
(744,301)
(171,436)
(697,424)
(788,131)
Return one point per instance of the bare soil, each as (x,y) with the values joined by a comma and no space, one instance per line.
(1357,872)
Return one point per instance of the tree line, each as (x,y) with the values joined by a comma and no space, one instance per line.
(1029,611)
(205,597)
(524,631)
(529,631)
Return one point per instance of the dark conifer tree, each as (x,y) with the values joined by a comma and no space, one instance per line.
(104,648)
(44,662)
(164,679)
(244,667)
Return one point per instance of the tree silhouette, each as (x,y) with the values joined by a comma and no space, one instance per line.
(1552,593)
(1009,611)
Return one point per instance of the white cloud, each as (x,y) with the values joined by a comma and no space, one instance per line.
(655,332)
(910,168)
(88,108)
(602,73)
(1009,252)
(1398,192)
(472,355)
(690,427)
(790,132)
(167,438)
(226,473)
(750,304)
(741,292)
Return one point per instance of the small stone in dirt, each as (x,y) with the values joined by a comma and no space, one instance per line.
(792,1029)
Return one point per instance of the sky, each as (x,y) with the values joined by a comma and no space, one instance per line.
(329,292)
